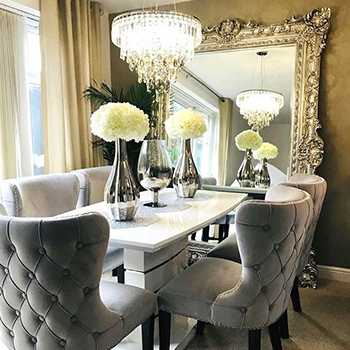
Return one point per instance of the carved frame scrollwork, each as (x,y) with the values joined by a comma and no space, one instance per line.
(308,33)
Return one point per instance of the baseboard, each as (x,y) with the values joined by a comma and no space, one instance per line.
(334,273)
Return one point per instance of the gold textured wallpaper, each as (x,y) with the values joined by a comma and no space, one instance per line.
(332,240)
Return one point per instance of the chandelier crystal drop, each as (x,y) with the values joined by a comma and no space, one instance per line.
(259,107)
(156,44)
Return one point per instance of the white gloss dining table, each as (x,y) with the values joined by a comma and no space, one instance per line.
(155,253)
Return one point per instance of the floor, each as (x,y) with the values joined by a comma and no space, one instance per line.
(324,324)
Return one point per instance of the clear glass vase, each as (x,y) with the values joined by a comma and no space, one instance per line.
(121,192)
(246,172)
(262,176)
(186,178)
(154,169)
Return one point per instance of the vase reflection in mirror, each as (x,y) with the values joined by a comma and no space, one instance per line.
(154,169)
(186,178)
(246,172)
(262,176)
(121,193)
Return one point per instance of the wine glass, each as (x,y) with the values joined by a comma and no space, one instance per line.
(154,169)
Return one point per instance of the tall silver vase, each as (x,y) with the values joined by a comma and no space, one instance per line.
(121,192)
(186,178)
(246,172)
(262,176)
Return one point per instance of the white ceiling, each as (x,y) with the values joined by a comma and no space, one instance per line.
(230,72)
(115,6)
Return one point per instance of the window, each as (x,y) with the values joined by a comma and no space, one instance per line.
(204,149)
(33,59)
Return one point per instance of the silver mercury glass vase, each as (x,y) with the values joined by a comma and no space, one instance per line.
(262,176)
(121,192)
(246,172)
(186,178)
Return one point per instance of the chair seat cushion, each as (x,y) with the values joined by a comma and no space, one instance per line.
(133,305)
(227,249)
(114,258)
(193,292)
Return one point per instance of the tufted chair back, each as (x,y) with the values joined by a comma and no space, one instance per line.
(92,182)
(50,271)
(316,186)
(40,196)
(271,236)
(2,210)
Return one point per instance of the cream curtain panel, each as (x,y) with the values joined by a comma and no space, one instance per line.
(15,138)
(71,44)
(225,127)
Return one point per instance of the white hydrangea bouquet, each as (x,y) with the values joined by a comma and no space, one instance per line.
(248,139)
(114,121)
(185,124)
(120,122)
(267,150)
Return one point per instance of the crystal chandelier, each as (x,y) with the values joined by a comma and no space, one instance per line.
(259,107)
(156,44)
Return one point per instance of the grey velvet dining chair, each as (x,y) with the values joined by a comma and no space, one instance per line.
(92,182)
(254,294)
(2,210)
(45,196)
(316,186)
(51,296)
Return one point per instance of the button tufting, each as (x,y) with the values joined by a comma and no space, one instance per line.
(266,227)
(243,310)
(33,339)
(54,298)
(86,290)
(6,270)
(79,245)
(63,342)
(41,319)
(95,335)
(257,267)
(65,272)
(42,251)
(24,295)
(271,307)
(18,313)
(12,334)
(263,289)
(293,228)
(31,275)
(277,246)
(73,319)
(13,248)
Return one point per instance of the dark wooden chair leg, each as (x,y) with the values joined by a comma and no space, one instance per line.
(205,234)
(148,334)
(221,232)
(164,330)
(254,341)
(200,327)
(193,236)
(275,336)
(284,328)
(119,273)
(295,296)
(226,230)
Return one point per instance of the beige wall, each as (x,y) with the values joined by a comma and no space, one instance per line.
(332,241)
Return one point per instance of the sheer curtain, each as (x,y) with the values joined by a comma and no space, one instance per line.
(15,137)
(225,127)
(70,41)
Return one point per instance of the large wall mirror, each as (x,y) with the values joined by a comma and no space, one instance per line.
(237,56)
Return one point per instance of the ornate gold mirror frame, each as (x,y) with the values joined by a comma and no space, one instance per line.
(308,33)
